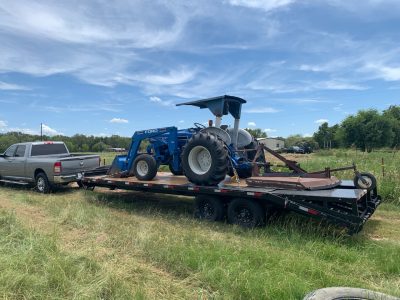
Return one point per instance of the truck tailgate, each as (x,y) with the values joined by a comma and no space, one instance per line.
(75,164)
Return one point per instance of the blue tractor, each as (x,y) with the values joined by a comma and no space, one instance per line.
(204,154)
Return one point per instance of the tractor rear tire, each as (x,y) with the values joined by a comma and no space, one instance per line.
(145,167)
(176,173)
(205,159)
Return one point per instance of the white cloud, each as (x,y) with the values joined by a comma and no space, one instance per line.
(266,5)
(12,87)
(337,85)
(159,101)
(383,71)
(307,135)
(3,124)
(269,130)
(181,121)
(251,124)
(261,110)
(321,121)
(47,130)
(119,121)
(23,130)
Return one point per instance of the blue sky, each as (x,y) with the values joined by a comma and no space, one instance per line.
(113,67)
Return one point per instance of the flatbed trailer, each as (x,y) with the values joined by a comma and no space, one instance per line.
(343,205)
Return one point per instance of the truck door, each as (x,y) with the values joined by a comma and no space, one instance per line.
(18,169)
(6,162)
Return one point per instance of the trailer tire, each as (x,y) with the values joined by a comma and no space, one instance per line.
(42,184)
(205,159)
(371,181)
(209,208)
(246,213)
(340,293)
(145,167)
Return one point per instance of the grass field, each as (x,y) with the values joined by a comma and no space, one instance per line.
(123,245)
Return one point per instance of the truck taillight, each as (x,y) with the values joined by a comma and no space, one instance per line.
(57,167)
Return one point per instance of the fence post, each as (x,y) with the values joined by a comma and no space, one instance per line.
(383,167)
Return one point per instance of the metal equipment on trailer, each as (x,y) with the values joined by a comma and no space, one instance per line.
(241,204)
(206,155)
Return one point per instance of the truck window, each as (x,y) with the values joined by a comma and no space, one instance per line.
(48,149)
(20,151)
(10,151)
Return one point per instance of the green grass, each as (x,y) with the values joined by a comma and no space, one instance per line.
(32,266)
(143,245)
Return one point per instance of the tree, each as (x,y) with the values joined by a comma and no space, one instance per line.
(393,115)
(257,132)
(99,147)
(367,130)
(301,141)
(326,136)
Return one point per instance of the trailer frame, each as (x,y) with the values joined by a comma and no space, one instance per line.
(343,205)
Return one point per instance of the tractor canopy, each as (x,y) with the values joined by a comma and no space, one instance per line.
(220,106)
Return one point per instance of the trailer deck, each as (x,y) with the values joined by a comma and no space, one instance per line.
(343,205)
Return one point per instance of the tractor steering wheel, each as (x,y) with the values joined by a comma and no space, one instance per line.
(199,125)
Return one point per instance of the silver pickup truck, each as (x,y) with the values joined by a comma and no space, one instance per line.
(44,164)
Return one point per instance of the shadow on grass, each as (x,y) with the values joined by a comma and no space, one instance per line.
(180,208)
(67,189)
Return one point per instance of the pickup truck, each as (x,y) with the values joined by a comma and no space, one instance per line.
(44,164)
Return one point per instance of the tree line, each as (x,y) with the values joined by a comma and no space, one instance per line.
(75,143)
(367,130)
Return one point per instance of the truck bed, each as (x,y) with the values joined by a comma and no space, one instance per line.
(344,204)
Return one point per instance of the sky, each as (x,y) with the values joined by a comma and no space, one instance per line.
(102,67)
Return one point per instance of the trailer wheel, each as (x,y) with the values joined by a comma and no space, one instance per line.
(246,213)
(205,159)
(209,208)
(145,167)
(365,181)
(42,183)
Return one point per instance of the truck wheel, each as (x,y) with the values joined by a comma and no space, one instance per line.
(365,181)
(42,183)
(145,167)
(246,213)
(208,208)
(176,173)
(205,159)
(336,293)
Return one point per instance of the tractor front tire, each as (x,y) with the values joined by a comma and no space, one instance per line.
(145,167)
(205,159)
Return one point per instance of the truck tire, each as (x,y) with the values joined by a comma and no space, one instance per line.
(145,167)
(205,159)
(42,183)
(209,208)
(370,183)
(341,293)
(246,213)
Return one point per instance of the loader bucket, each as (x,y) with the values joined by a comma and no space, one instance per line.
(118,166)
